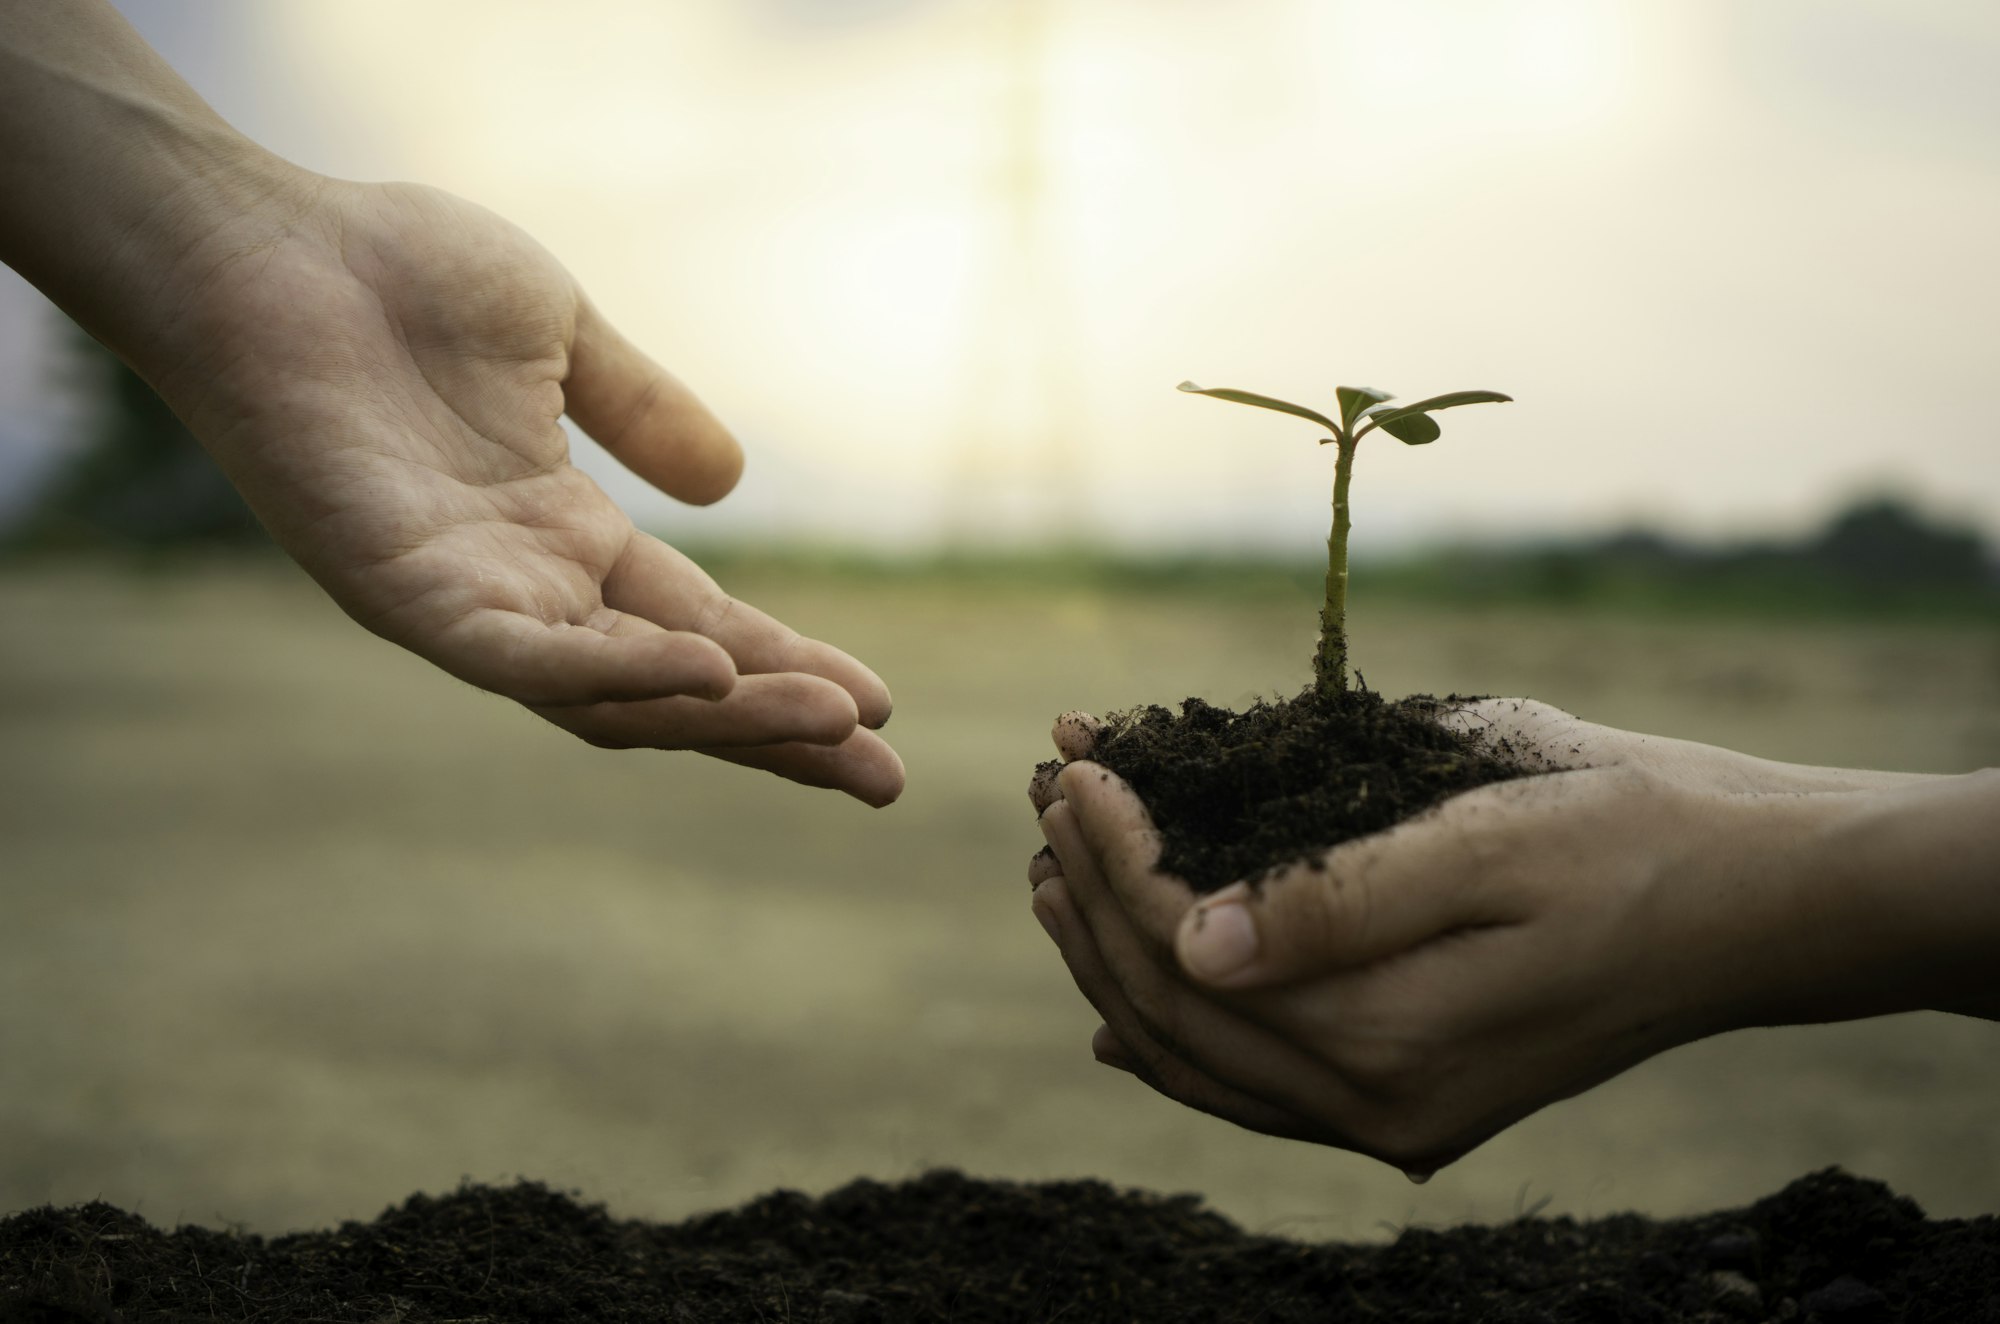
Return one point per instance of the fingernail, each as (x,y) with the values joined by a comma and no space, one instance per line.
(1222,941)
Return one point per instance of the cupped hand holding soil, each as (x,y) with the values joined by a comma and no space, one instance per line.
(1410,994)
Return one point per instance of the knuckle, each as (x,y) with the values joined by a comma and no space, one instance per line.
(1638,781)
(1476,843)
(1306,914)
(1345,911)
(1533,710)
(714,613)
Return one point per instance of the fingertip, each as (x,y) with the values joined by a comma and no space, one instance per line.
(694,459)
(570,665)
(884,785)
(873,703)
(1042,866)
(1051,897)
(714,468)
(714,676)
(1075,735)
(867,768)
(634,668)
(1107,1049)
(816,657)
(831,715)
(873,712)
(1045,916)
(1042,790)
(647,417)
(863,767)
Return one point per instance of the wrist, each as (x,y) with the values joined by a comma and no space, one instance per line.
(153,278)
(228,222)
(1869,902)
(124,186)
(1917,872)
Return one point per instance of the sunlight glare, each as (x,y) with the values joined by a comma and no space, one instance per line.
(835,234)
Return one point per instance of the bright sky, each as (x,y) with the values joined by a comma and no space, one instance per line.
(1735,261)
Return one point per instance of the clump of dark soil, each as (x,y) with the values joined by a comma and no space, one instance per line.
(1829,1247)
(1238,794)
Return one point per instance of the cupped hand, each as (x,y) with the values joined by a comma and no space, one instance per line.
(381,370)
(1411,994)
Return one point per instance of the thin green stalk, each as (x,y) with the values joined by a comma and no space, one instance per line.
(1330,666)
(1362,410)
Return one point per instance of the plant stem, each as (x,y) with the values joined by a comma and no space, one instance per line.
(1330,666)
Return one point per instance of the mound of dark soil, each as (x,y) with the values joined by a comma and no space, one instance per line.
(1830,1247)
(1237,794)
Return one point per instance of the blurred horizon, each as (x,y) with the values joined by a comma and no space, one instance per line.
(139,485)
(941,262)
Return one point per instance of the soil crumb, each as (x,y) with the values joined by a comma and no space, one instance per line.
(1236,795)
(948,1247)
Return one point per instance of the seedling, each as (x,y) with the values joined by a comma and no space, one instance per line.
(1362,410)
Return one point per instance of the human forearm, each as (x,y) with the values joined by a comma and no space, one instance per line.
(1911,883)
(120,179)
(381,370)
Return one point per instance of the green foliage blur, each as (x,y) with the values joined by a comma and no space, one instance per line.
(136,480)
(1881,556)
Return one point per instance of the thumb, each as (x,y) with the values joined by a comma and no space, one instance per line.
(645,416)
(1359,903)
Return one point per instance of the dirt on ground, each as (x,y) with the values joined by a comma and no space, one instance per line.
(1829,1247)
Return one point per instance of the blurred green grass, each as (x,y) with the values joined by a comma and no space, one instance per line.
(1605,579)
(291,925)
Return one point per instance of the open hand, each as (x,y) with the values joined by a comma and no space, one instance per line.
(381,368)
(1411,994)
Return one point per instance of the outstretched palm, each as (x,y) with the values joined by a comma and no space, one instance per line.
(384,384)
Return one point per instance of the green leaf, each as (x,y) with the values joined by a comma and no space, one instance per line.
(1413,429)
(1354,399)
(1262,402)
(1387,419)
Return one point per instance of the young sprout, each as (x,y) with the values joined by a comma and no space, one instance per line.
(1362,410)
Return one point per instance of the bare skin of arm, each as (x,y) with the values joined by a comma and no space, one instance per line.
(1410,995)
(380,368)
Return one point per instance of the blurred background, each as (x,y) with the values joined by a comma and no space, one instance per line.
(290,925)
